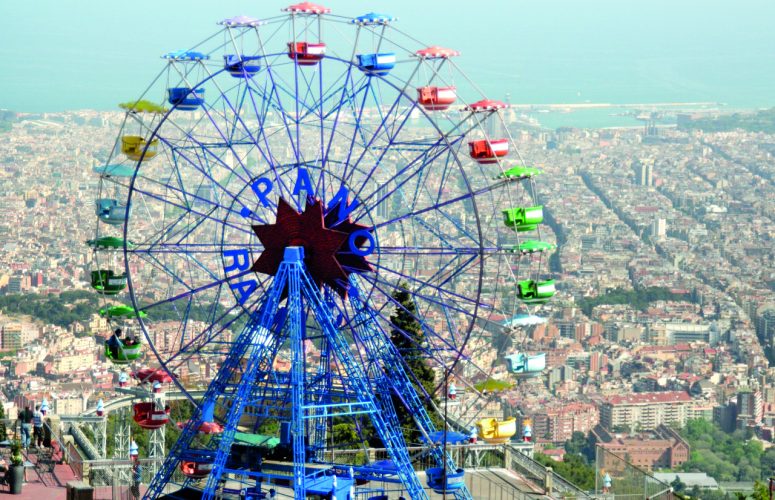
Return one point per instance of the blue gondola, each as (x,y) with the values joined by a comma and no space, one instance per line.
(117,170)
(111,212)
(455,480)
(438,437)
(524,365)
(377,64)
(185,99)
(373,18)
(185,56)
(240,66)
(524,320)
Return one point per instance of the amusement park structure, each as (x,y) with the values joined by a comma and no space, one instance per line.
(266,202)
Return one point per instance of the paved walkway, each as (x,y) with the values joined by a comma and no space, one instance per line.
(46,478)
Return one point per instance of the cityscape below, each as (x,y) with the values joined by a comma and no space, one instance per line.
(313,258)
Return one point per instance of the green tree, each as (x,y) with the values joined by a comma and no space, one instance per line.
(345,434)
(573,468)
(270,427)
(407,335)
(723,456)
(582,445)
(761,490)
(638,298)
(3,430)
(576,443)
(678,485)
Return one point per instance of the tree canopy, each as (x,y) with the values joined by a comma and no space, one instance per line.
(638,298)
(723,456)
(407,335)
(61,310)
(574,468)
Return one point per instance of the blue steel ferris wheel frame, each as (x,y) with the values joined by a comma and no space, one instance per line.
(433,293)
(445,143)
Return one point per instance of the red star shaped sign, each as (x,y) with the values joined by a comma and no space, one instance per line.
(321,244)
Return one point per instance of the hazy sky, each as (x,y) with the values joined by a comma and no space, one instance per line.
(67,54)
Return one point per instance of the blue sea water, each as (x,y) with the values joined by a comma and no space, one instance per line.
(92,54)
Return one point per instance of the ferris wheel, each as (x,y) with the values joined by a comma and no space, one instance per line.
(304,206)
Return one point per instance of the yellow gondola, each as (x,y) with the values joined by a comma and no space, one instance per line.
(495,431)
(133,147)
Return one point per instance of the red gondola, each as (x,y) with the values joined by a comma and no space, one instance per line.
(148,416)
(307,8)
(488,152)
(486,105)
(195,470)
(206,427)
(436,98)
(436,52)
(306,54)
(150,375)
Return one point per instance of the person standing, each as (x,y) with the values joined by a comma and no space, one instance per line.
(37,427)
(25,417)
(137,478)
(114,343)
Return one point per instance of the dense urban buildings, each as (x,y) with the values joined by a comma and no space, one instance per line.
(665,310)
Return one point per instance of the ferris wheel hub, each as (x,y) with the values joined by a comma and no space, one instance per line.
(326,245)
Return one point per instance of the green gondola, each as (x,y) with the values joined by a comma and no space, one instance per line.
(121,311)
(535,292)
(523,218)
(518,173)
(119,353)
(109,243)
(107,282)
(533,246)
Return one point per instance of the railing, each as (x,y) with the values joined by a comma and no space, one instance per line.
(487,466)
(105,476)
(112,479)
(84,442)
(626,480)
(545,476)
(479,484)
(504,456)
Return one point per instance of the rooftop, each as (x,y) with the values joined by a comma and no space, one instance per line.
(651,397)
(690,479)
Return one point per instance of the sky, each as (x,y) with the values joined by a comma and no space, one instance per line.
(75,54)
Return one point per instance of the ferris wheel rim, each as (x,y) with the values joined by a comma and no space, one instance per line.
(429,118)
(402,95)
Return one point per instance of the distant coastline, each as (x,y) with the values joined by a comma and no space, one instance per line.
(586,115)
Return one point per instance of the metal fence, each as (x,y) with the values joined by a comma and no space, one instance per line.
(479,459)
(112,479)
(553,482)
(626,480)
(489,468)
